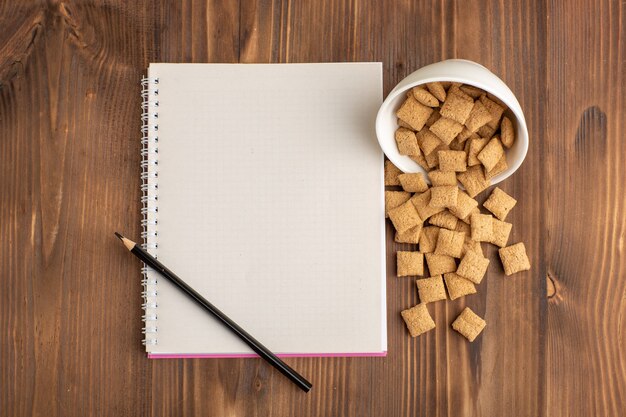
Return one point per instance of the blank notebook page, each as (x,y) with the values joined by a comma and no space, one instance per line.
(270,204)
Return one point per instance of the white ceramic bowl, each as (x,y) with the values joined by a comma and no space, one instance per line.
(455,70)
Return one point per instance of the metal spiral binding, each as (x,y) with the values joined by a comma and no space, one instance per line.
(149,201)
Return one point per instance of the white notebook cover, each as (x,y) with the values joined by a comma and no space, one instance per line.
(270,203)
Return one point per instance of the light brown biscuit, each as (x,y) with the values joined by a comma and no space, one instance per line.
(420,160)
(446,129)
(403,124)
(486,131)
(456,107)
(427,141)
(471,245)
(478,117)
(473,266)
(437,90)
(414,113)
(468,218)
(455,88)
(450,243)
(495,109)
(394,199)
(455,145)
(434,116)
(444,196)
(423,96)
(464,135)
(391,173)
(445,219)
(490,155)
(452,161)
(469,324)
(433,159)
(499,203)
(500,167)
(470,90)
(428,239)
(410,263)
(422,205)
(473,180)
(464,205)
(439,178)
(507,134)
(414,183)
(482,227)
(406,141)
(405,217)
(465,228)
(410,236)
(431,289)
(514,259)
(458,286)
(418,320)
(475,146)
(440,264)
(501,232)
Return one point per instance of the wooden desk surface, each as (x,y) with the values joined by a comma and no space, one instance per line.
(69,164)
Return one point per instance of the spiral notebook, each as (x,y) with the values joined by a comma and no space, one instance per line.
(263,189)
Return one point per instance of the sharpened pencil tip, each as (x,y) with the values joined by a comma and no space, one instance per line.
(120,237)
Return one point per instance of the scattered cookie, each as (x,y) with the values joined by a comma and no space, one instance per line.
(406,141)
(450,243)
(431,289)
(464,205)
(491,153)
(410,236)
(427,141)
(394,199)
(469,324)
(437,90)
(422,205)
(438,178)
(507,135)
(473,266)
(418,320)
(410,263)
(482,227)
(443,196)
(495,109)
(414,113)
(474,180)
(432,119)
(514,259)
(458,286)
(457,107)
(391,174)
(414,183)
(432,159)
(452,161)
(478,117)
(475,146)
(404,217)
(423,96)
(500,167)
(446,129)
(499,203)
(428,239)
(439,264)
(444,219)
(501,232)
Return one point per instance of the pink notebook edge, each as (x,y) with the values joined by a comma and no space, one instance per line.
(252,355)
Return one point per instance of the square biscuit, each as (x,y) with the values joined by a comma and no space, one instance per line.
(437,90)
(432,159)
(427,141)
(490,155)
(444,219)
(495,109)
(507,134)
(455,88)
(450,243)
(482,227)
(424,96)
(440,264)
(428,239)
(418,320)
(474,180)
(403,124)
(414,113)
(500,167)
(410,236)
(501,232)
(458,286)
(464,135)
(473,266)
(475,146)
(413,183)
(514,259)
(440,178)
(468,219)
(472,245)
(470,90)
(499,203)
(391,173)
(452,161)
(469,324)
(465,228)
(410,263)
(394,199)
(420,160)
(457,107)
(464,205)
(434,116)
(444,196)
(422,205)
(404,217)
(478,117)
(446,129)
(431,289)
(406,141)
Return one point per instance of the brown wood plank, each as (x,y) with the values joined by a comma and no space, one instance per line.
(69,165)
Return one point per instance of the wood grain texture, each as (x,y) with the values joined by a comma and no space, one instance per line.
(69,177)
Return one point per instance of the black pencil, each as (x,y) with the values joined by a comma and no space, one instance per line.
(254,344)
